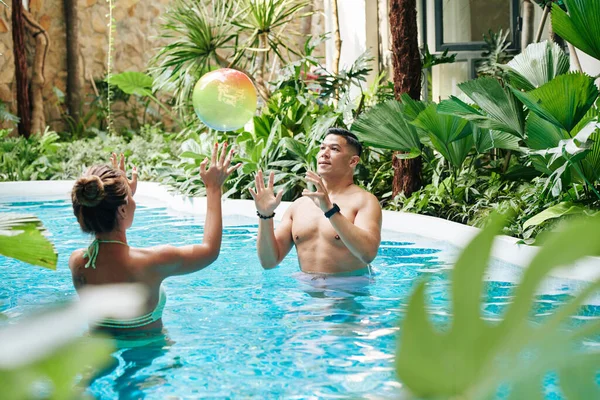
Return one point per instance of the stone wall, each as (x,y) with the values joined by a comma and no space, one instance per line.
(135,42)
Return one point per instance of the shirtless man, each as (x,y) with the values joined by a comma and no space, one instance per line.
(336,229)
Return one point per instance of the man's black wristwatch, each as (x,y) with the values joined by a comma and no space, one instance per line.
(333,210)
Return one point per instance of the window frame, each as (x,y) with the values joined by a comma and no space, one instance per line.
(440,46)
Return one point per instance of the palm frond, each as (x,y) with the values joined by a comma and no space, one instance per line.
(581,26)
(385,126)
(563,101)
(195,34)
(537,65)
(500,110)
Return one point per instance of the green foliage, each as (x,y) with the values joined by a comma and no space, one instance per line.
(558,211)
(195,32)
(385,126)
(495,54)
(563,101)
(449,135)
(5,115)
(24,159)
(429,60)
(263,24)
(471,357)
(581,26)
(22,237)
(498,107)
(45,157)
(245,35)
(537,65)
(59,373)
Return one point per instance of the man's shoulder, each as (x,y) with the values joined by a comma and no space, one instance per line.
(366,196)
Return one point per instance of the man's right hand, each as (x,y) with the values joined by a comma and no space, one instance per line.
(264,197)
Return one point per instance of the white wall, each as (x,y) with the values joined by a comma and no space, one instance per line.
(358,30)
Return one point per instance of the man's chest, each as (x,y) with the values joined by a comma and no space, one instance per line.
(310,223)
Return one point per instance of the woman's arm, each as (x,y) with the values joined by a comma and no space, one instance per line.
(171,260)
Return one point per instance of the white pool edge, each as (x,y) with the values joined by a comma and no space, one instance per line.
(150,193)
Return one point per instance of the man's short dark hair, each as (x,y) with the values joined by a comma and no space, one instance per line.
(350,137)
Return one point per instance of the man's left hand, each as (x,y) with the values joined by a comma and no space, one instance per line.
(320,197)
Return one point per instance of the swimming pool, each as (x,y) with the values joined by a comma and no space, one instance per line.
(236,331)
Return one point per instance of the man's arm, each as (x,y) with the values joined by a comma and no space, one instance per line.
(273,245)
(363,236)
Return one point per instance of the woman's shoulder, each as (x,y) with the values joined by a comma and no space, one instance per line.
(76,259)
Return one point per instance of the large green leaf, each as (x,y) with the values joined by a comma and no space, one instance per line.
(537,65)
(500,110)
(557,211)
(412,107)
(472,357)
(581,26)
(449,135)
(385,126)
(22,237)
(591,163)
(132,83)
(487,139)
(63,368)
(564,101)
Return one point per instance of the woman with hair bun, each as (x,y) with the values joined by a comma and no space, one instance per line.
(104,206)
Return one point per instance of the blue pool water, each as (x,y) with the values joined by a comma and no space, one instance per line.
(236,331)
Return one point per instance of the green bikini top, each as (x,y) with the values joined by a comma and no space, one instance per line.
(93,249)
(92,253)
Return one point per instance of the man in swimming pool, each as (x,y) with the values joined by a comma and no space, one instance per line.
(336,229)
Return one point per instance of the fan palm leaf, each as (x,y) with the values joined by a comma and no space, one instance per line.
(564,101)
(537,65)
(385,126)
(581,26)
(498,107)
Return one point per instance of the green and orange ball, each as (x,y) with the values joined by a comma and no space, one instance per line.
(224,99)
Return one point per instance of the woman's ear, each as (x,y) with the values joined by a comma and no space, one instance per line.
(122,210)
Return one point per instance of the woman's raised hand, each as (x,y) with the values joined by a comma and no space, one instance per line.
(118,163)
(219,169)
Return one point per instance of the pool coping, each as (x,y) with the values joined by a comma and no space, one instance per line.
(505,248)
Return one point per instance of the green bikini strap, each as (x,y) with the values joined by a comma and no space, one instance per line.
(93,249)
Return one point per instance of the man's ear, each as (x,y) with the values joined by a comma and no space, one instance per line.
(354,161)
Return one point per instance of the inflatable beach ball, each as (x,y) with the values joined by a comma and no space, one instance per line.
(224,99)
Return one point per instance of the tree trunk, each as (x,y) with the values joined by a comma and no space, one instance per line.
(38,120)
(406,59)
(527,15)
(73,70)
(337,50)
(22,89)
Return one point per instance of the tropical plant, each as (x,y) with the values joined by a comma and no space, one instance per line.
(61,363)
(32,158)
(495,54)
(243,35)
(581,26)
(537,65)
(23,237)
(137,83)
(5,115)
(472,357)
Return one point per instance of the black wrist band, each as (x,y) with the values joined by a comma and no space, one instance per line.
(264,216)
(333,210)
